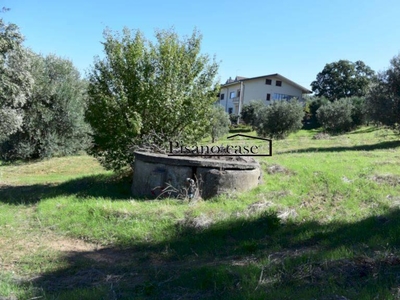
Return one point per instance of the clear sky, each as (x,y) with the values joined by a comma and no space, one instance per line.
(294,38)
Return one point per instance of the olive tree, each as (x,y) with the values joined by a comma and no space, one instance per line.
(336,116)
(250,112)
(15,79)
(383,100)
(166,87)
(279,119)
(53,114)
(219,122)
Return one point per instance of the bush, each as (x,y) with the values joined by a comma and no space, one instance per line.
(250,112)
(335,116)
(219,122)
(359,113)
(240,128)
(233,118)
(280,119)
(312,105)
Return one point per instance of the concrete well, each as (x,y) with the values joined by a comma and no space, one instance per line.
(161,175)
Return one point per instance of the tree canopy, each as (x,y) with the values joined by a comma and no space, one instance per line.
(15,80)
(343,79)
(53,113)
(250,112)
(384,98)
(166,87)
(219,122)
(279,119)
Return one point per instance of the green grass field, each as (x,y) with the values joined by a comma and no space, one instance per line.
(324,224)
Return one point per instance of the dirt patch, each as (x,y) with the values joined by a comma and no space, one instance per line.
(197,223)
(392,180)
(259,206)
(394,200)
(286,214)
(386,163)
(71,245)
(278,169)
(321,136)
(16,247)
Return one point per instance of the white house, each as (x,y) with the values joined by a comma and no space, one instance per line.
(235,93)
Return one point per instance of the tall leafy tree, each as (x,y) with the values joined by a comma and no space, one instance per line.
(165,87)
(15,79)
(343,79)
(53,114)
(383,100)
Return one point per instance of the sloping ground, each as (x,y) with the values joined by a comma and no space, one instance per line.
(324,225)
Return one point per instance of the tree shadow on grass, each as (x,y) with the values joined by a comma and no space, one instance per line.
(366,130)
(378,146)
(105,186)
(256,258)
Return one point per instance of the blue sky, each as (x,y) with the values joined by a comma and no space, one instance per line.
(250,38)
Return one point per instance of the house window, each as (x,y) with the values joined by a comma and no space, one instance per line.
(268,81)
(230,110)
(238,93)
(283,97)
(268,97)
(222,96)
(278,83)
(232,95)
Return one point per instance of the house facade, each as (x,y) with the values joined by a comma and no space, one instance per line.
(274,87)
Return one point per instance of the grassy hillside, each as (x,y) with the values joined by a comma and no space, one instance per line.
(324,224)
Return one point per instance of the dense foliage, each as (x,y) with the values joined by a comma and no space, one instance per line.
(250,111)
(336,116)
(53,114)
(359,112)
(312,105)
(15,79)
(383,101)
(219,122)
(280,119)
(343,79)
(165,87)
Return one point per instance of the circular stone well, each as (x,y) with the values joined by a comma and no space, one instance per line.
(157,175)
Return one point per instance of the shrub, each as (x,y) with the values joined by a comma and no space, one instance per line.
(234,118)
(240,128)
(335,116)
(250,112)
(359,113)
(311,107)
(219,122)
(280,119)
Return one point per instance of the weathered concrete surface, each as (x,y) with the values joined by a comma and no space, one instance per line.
(152,179)
(244,164)
(213,182)
(158,174)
